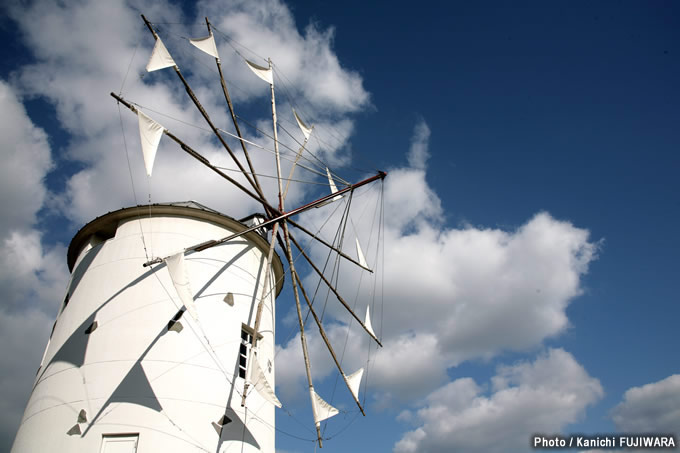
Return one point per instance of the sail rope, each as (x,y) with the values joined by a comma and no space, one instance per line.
(285,82)
(122,85)
(356,298)
(317,183)
(321,165)
(336,272)
(328,257)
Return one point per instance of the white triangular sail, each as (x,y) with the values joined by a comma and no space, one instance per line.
(367,322)
(265,74)
(322,410)
(260,382)
(180,280)
(207,45)
(160,57)
(150,133)
(331,183)
(360,254)
(354,381)
(306,130)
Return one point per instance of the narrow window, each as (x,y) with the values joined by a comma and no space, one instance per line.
(247,333)
(243,353)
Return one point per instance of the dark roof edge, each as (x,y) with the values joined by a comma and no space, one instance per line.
(108,223)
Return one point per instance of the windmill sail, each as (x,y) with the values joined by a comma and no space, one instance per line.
(160,57)
(306,130)
(360,254)
(322,410)
(262,72)
(260,382)
(206,44)
(367,322)
(180,280)
(331,183)
(150,133)
(354,381)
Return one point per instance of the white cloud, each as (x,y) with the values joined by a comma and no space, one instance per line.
(26,160)
(526,398)
(32,275)
(653,407)
(453,294)
(311,68)
(29,272)
(418,154)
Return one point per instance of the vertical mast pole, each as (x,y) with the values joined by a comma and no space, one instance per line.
(265,289)
(327,341)
(291,266)
(289,254)
(292,169)
(276,140)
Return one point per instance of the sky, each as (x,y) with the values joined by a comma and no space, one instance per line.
(530,271)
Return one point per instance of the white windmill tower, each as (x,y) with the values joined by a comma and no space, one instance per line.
(172,348)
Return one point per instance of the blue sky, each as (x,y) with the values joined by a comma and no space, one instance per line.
(532,142)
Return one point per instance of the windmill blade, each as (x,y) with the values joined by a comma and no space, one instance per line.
(150,133)
(225,91)
(207,45)
(334,188)
(160,57)
(354,381)
(260,306)
(360,254)
(322,410)
(291,265)
(306,130)
(180,280)
(335,291)
(350,381)
(263,73)
(205,115)
(261,383)
(369,327)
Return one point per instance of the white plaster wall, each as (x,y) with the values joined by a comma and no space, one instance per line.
(132,375)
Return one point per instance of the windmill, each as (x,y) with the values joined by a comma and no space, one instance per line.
(165,337)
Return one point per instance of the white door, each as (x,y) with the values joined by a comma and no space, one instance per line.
(120,444)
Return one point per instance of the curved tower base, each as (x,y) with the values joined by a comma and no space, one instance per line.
(128,369)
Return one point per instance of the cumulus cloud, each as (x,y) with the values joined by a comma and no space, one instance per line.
(452,294)
(653,407)
(525,398)
(32,275)
(419,153)
(29,271)
(26,159)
